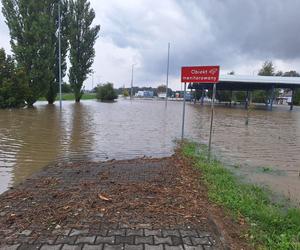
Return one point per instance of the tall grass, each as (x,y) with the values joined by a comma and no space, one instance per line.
(271,226)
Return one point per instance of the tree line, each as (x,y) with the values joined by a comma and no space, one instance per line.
(33,70)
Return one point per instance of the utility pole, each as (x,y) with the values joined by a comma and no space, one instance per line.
(92,81)
(59,54)
(168,66)
(131,93)
(212,119)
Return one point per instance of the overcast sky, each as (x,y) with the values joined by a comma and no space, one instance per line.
(238,35)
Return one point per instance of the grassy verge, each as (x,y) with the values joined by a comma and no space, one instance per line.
(271,226)
(70,97)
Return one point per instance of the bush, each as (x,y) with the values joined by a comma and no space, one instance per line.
(106,92)
(125,93)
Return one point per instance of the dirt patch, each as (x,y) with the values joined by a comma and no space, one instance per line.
(152,193)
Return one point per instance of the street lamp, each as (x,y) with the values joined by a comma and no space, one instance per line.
(131,93)
(59,54)
(168,66)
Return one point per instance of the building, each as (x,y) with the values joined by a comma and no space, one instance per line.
(145,94)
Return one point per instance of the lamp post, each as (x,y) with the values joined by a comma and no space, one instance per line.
(59,55)
(131,92)
(168,66)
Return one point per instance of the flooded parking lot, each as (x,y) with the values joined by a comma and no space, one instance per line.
(266,151)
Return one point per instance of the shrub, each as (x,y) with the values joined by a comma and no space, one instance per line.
(106,92)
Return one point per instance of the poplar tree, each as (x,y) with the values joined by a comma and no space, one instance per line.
(82,38)
(54,83)
(31,28)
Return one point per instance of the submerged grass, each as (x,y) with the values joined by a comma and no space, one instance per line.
(271,226)
(71,97)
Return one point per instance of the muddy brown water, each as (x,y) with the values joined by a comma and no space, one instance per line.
(267,151)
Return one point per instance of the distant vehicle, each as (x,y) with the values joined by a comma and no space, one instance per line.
(162,95)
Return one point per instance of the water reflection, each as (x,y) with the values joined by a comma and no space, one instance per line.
(30,139)
(38,132)
(81,132)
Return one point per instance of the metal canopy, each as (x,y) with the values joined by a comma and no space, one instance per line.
(248,83)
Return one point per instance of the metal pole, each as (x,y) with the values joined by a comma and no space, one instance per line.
(92,80)
(59,55)
(131,92)
(168,66)
(183,113)
(292,100)
(272,97)
(212,120)
(247,100)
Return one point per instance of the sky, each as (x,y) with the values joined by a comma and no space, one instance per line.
(237,35)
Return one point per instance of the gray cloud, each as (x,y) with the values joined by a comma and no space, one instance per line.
(238,35)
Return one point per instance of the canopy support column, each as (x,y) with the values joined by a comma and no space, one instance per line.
(272,97)
(247,100)
(231,95)
(292,101)
(202,97)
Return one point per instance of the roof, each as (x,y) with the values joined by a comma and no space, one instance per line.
(239,82)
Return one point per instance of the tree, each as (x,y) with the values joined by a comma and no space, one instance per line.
(106,92)
(261,96)
(291,73)
(267,69)
(13,88)
(54,83)
(31,27)
(240,96)
(66,88)
(161,89)
(82,39)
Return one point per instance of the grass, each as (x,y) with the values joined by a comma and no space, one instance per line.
(270,226)
(70,97)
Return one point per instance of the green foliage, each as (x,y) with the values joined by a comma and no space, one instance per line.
(223,95)
(260,96)
(267,69)
(31,28)
(270,226)
(106,92)
(240,96)
(54,83)
(82,38)
(66,88)
(71,97)
(291,73)
(13,88)
(125,93)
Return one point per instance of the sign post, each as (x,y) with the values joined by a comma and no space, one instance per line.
(212,119)
(183,113)
(201,74)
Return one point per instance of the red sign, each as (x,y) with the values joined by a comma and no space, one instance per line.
(200,74)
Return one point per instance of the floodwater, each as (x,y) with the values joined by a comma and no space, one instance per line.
(267,151)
